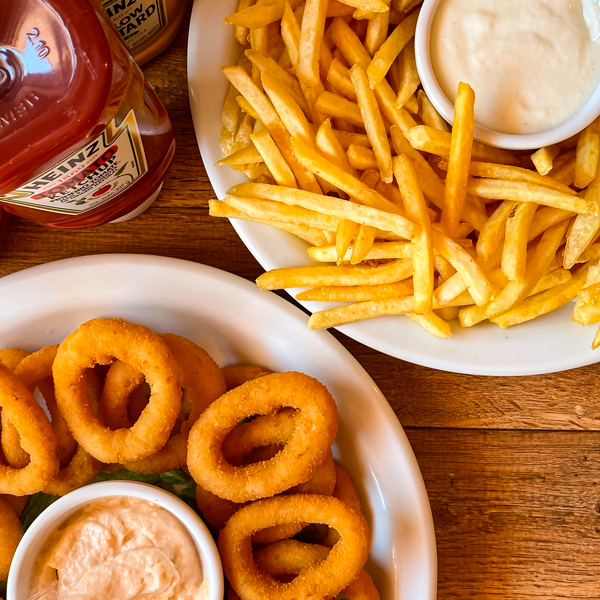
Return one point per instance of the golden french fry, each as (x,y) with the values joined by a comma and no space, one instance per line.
(514,253)
(242,135)
(588,154)
(391,48)
(367,215)
(259,41)
(564,174)
(409,77)
(434,141)
(361,158)
(362,293)
(492,233)
(583,313)
(264,62)
(544,218)
(311,37)
(537,264)
(412,105)
(377,30)
(260,14)
(245,106)
(455,191)
(369,5)
(292,277)
(422,242)
(379,251)
(311,235)
(246,155)
(273,158)
(428,114)
(542,303)
(591,294)
(585,227)
(336,106)
(596,341)
(346,138)
(230,116)
(544,157)
(447,313)
(338,9)
(495,189)
(363,242)
(337,76)
(241,33)
(373,122)
(433,324)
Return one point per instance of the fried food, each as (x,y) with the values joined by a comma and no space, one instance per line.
(11,533)
(100,342)
(36,437)
(316,426)
(341,566)
(235,375)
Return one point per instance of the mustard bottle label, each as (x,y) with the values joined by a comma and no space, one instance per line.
(91,176)
(137,21)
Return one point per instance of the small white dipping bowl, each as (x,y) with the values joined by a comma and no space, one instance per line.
(581,119)
(19,576)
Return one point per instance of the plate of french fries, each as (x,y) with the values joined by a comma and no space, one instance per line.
(384,221)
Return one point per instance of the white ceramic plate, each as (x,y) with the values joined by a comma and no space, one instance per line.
(236,322)
(551,343)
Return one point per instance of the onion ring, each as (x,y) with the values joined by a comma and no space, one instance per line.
(100,342)
(202,382)
(236,375)
(342,565)
(11,533)
(316,420)
(290,557)
(120,381)
(17,503)
(9,438)
(346,492)
(37,438)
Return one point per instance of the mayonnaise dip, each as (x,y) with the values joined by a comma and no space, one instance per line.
(121,548)
(531,63)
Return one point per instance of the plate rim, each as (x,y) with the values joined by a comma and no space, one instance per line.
(63,268)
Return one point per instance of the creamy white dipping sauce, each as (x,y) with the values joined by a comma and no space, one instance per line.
(531,63)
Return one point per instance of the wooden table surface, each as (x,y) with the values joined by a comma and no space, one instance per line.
(511,465)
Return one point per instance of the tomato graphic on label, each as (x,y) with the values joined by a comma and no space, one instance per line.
(101,191)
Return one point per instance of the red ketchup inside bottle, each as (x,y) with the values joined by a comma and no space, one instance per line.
(84,139)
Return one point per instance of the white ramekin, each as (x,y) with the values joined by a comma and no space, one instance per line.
(35,537)
(581,119)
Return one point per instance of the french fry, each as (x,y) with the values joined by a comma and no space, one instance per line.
(537,264)
(391,48)
(230,116)
(242,135)
(584,228)
(422,242)
(542,159)
(564,174)
(433,324)
(428,114)
(409,77)
(273,158)
(246,155)
(455,191)
(370,5)
(495,189)
(346,139)
(337,76)
(265,63)
(583,313)
(336,106)
(362,293)
(264,109)
(373,122)
(245,106)
(311,36)
(311,235)
(377,30)
(514,252)
(241,33)
(259,41)
(411,105)
(293,277)
(381,219)
(544,218)
(588,153)
(591,294)
(492,234)
(434,141)
(543,303)
(379,251)
(338,9)
(361,158)
(365,236)
(260,14)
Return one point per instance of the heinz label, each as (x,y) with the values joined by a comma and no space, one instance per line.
(91,176)
(136,20)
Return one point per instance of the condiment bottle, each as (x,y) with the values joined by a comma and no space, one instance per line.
(147,27)
(84,139)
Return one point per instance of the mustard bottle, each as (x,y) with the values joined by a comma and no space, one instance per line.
(146,27)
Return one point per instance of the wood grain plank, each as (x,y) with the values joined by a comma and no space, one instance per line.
(517,514)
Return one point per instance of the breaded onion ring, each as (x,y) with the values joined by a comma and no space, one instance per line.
(290,557)
(9,438)
(36,437)
(235,375)
(346,492)
(341,566)
(11,533)
(316,422)
(120,382)
(17,503)
(100,342)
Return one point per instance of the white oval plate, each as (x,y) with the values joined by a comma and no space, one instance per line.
(236,322)
(548,344)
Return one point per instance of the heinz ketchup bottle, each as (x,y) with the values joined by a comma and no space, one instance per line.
(84,139)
